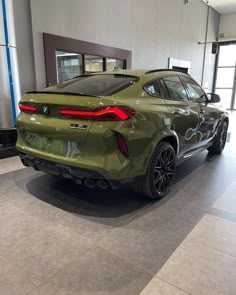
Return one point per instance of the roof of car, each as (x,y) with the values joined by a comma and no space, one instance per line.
(141,73)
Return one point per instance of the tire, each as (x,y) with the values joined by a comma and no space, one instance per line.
(219,141)
(160,173)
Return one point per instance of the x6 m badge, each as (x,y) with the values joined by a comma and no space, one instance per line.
(78,126)
(45,110)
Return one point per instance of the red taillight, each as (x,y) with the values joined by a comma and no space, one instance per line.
(122,145)
(29,109)
(118,113)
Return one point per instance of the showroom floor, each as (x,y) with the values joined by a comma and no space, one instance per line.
(58,238)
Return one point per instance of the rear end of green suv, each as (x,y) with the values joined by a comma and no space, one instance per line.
(95,138)
(109,129)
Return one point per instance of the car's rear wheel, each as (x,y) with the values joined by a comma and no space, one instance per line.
(219,141)
(160,173)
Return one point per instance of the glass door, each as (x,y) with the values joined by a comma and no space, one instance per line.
(226,75)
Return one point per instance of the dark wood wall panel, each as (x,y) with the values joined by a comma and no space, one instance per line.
(54,42)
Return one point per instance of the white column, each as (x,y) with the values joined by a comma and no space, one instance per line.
(10,93)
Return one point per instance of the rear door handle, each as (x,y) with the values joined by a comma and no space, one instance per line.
(202,111)
(180,112)
(177,112)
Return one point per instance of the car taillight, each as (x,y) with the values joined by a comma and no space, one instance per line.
(122,145)
(117,113)
(27,108)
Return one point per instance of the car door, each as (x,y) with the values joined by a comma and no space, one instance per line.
(184,114)
(208,114)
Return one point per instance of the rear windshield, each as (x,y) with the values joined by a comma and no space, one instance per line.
(94,85)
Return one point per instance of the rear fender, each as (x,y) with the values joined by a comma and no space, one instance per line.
(165,136)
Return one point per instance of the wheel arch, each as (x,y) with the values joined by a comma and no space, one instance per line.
(170,137)
(226,119)
(172,140)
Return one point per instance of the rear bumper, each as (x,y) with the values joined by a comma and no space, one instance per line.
(97,150)
(79,175)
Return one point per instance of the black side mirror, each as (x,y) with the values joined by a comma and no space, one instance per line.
(213,98)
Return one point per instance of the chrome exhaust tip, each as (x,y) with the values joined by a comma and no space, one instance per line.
(24,162)
(102,184)
(89,183)
(78,181)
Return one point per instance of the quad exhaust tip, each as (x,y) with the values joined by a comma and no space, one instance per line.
(89,183)
(24,162)
(102,184)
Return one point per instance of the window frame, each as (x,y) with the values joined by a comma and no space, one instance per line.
(233,96)
(54,42)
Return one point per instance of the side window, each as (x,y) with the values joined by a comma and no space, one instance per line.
(196,93)
(175,88)
(153,88)
(164,89)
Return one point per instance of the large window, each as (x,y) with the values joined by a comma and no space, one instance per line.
(66,58)
(69,65)
(114,63)
(93,64)
(226,75)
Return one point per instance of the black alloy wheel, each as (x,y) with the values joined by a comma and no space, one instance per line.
(223,137)
(160,172)
(219,141)
(164,170)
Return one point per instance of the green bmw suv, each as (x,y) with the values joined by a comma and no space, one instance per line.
(122,127)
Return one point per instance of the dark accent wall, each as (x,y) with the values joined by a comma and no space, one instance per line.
(54,42)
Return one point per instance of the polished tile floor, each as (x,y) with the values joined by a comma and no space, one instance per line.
(57,238)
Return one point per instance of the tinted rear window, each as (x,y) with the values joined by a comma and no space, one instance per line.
(95,85)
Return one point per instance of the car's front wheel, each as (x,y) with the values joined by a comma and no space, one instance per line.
(160,173)
(219,141)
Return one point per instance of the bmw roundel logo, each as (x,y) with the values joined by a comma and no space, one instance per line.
(45,110)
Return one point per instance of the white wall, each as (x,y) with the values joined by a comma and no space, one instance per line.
(24,43)
(228,25)
(153,30)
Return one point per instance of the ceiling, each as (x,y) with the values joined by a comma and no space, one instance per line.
(223,6)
